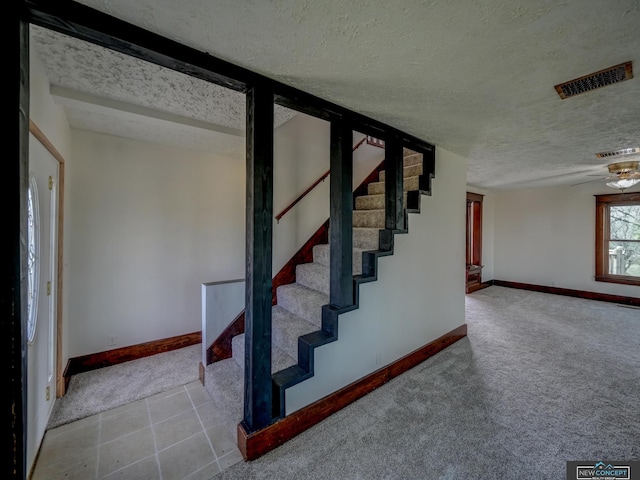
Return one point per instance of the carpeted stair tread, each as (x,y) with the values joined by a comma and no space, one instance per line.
(373,202)
(412,159)
(287,327)
(321,255)
(366,238)
(224,382)
(279,358)
(302,301)
(369,218)
(410,183)
(409,171)
(313,275)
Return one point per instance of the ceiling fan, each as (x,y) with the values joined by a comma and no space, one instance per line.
(622,175)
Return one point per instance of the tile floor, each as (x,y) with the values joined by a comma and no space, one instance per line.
(169,436)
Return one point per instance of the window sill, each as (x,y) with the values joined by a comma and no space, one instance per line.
(618,279)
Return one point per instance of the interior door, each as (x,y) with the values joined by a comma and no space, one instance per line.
(474,241)
(42,237)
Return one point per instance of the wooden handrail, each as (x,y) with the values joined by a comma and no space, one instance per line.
(368,139)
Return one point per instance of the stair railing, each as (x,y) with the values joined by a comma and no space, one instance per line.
(369,141)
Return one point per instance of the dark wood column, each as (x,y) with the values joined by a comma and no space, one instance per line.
(394,184)
(341,219)
(14,265)
(258,390)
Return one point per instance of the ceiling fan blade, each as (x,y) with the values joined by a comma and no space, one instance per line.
(589,181)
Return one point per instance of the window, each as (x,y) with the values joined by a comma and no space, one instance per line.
(33,249)
(618,238)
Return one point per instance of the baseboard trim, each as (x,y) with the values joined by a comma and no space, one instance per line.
(258,443)
(93,361)
(479,286)
(602,297)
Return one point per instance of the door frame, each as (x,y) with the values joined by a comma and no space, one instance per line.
(46,143)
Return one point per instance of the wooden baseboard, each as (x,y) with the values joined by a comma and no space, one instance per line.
(478,286)
(603,297)
(256,444)
(94,361)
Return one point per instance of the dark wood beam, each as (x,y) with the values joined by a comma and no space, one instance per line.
(341,219)
(258,392)
(394,184)
(14,265)
(86,23)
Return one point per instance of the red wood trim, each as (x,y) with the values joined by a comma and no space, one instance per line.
(258,443)
(220,348)
(479,286)
(108,358)
(474,197)
(302,195)
(602,297)
(603,202)
(287,273)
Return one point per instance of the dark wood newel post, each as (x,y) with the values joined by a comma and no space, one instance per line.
(394,184)
(341,211)
(258,391)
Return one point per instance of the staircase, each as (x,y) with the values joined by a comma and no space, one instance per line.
(299,305)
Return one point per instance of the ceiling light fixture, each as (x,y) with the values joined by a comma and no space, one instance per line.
(623,183)
(625,175)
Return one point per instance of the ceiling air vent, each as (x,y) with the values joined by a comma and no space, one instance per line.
(593,81)
(618,153)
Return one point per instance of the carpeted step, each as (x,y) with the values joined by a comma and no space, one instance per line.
(302,301)
(286,328)
(224,382)
(368,218)
(412,159)
(366,238)
(321,255)
(410,171)
(279,358)
(373,202)
(313,275)
(410,183)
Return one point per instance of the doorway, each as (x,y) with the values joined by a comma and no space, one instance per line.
(42,236)
(474,242)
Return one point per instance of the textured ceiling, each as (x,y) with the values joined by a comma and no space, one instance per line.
(474,77)
(105,91)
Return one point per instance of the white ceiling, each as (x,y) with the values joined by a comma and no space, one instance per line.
(474,77)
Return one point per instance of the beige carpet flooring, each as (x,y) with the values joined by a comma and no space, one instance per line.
(103,389)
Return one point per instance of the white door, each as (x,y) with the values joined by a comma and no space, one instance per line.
(41,305)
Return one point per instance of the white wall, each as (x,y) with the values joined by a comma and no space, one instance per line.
(419,294)
(488,208)
(546,236)
(149,225)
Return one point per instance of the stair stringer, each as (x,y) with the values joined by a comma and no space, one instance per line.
(305,369)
